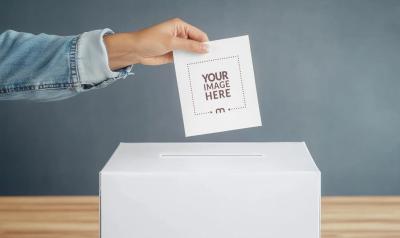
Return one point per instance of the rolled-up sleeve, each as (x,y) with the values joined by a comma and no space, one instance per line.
(92,60)
(50,67)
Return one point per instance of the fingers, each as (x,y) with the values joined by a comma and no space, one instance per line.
(195,33)
(189,45)
(187,30)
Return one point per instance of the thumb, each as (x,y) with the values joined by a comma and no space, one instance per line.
(189,45)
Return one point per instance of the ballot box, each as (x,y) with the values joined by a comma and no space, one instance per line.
(210,190)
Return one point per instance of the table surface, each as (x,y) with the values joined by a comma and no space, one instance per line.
(62,217)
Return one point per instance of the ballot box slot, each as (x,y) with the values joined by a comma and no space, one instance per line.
(211,155)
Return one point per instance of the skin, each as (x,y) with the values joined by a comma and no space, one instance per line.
(154,45)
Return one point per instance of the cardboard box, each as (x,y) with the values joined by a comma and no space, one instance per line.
(210,190)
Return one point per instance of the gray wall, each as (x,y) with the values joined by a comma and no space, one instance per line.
(327,72)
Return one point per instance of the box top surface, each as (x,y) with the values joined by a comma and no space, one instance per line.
(237,158)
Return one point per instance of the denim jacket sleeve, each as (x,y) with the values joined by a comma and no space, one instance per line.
(48,67)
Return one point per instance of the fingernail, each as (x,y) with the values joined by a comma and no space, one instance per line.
(205,47)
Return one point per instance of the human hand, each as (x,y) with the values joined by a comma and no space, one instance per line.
(154,45)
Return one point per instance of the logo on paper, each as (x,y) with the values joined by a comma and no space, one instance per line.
(216,85)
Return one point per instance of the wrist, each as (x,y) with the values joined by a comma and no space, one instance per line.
(121,50)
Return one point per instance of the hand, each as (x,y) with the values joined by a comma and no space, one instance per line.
(154,45)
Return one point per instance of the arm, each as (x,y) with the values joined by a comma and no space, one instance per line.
(154,45)
(46,67)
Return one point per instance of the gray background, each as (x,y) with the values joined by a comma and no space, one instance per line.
(327,72)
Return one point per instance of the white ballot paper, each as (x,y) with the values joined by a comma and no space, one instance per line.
(217,89)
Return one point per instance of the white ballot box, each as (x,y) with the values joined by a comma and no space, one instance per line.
(210,190)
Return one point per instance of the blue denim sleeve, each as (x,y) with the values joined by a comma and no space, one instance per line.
(48,67)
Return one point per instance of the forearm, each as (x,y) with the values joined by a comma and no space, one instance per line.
(154,45)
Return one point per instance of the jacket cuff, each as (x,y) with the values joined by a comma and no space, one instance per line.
(92,60)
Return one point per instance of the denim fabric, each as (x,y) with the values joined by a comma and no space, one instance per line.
(48,67)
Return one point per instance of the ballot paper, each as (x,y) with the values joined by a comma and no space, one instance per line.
(217,90)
